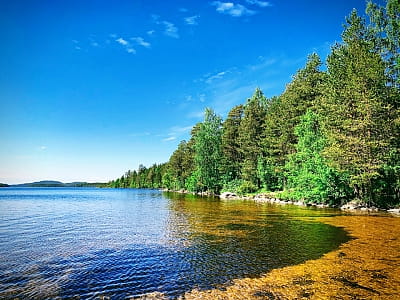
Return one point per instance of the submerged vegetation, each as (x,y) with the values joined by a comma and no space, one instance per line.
(331,137)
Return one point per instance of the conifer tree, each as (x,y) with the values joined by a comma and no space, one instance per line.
(284,114)
(357,117)
(231,155)
(251,131)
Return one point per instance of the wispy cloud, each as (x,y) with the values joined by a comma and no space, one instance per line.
(122,41)
(140,134)
(210,78)
(76,43)
(93,42)
(259,3)
(176,132)
(192,20)
(140,41)
(262,64)
(126,44)
(171,138)
(150,32)
(170,29)
(232,9)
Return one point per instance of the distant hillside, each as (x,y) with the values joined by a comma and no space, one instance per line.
(52,183)
(3,185)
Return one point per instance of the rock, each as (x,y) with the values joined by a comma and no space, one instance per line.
(228,195)
(394,211)
(350,206)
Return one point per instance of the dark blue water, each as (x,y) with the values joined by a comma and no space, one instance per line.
(70,242)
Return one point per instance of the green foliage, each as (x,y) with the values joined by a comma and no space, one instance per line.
(309,175)
(232,157)
(283,115)
(250,136)
(357,116)
(208,153)
(247,187)
(385,28)
(193,183)
(232,186)
(269,176)
(331,136)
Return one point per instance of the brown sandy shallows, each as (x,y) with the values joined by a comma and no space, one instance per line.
(366,267)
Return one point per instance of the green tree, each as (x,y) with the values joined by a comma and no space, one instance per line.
(357,117)
(385,27)
(308,172)
(207,145)
(283,115)
(231,154)
(251,131)
(181,165)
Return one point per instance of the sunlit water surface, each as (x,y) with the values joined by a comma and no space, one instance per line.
(88,243)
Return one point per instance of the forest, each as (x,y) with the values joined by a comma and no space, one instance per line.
(331,137)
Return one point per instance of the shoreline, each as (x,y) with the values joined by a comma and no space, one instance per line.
(367,267)
(351,206)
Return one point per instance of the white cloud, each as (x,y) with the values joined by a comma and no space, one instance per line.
(126,44)
(155,18)
(170,30)
(182,9)
(42,148)
(210,78)
(150,32)
(192,20)
(140,41)
(171,138)
(140,134)
(232,9)
(177,131)
(264,63)
(122,41)
(196,114)
(259,3)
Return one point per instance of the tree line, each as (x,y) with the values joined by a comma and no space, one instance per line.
(332,136)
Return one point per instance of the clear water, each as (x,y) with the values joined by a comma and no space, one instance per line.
(70,242)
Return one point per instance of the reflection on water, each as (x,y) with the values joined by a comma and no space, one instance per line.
(122,243)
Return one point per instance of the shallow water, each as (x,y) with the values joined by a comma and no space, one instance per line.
(66,242)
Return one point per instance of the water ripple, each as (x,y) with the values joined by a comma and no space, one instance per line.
(87,243)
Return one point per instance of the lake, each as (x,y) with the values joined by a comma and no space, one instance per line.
(126,243)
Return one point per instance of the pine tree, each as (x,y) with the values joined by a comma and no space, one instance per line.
(356,116)
(385,27)
(232,157)
(283,115)
(251,131)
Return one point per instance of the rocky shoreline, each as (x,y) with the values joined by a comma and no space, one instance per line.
(351,206)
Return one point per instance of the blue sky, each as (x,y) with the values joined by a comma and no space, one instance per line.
(90,89)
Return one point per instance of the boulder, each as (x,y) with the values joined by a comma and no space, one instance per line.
(228,195)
